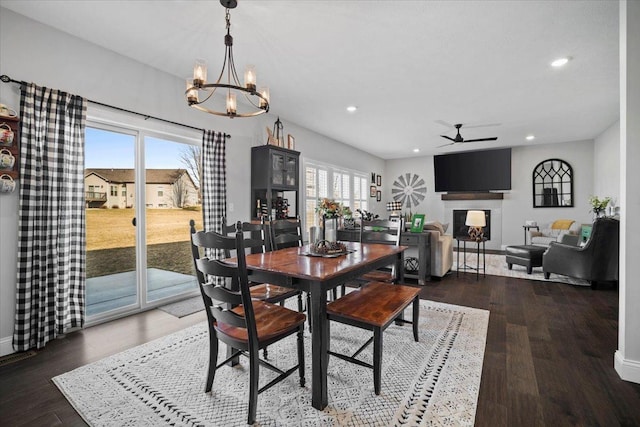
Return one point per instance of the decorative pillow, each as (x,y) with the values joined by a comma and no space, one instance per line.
(435,226)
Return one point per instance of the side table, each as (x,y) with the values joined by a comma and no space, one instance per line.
(527,228)
(464,241)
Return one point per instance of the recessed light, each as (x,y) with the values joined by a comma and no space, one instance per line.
(560,62)
(530,137)
(352,108)
(416,150)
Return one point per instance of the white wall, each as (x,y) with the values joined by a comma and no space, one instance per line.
(627,357)
(517,205)
(606,164)
(34,52)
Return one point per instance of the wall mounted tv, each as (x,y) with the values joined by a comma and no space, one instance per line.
(473,171)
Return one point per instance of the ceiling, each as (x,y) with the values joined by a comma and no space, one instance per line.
(406,65)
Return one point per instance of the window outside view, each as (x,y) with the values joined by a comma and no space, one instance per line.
(171,199)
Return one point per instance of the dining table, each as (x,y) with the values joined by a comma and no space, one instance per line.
(300,268)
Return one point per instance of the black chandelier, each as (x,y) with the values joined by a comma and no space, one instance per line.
(257,100)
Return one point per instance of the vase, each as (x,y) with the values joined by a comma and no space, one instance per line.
(330,228)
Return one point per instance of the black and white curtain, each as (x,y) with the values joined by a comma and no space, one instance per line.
(50,289)
(214,181)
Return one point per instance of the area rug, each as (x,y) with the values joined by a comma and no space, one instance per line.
(497,266)
(184,307)
(433,382)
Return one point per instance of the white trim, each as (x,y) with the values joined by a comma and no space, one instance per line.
(629,370)
(6,346)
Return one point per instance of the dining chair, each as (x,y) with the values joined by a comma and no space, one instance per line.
(285,233)
(256,241)
(374,307)
(385,232)
(242,323)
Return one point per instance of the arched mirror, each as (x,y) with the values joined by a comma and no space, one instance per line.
(553,184)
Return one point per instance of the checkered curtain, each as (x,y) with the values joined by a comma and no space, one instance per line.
(50,289)
(214,181)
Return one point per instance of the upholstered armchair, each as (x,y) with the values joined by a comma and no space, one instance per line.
(554,232)
(596,261)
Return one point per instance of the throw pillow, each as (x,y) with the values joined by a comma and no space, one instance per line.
(434,225)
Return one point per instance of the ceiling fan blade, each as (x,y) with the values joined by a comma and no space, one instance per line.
(482,126)
(445,145)
(443,123)
(449,138)
(481,139)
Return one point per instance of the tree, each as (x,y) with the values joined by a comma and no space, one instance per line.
(191,157)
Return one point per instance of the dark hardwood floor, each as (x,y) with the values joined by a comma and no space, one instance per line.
(548,360)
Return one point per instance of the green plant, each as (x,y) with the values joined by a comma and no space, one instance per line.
(329,208)
(598,205)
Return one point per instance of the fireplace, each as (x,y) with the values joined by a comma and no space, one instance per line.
(461,230)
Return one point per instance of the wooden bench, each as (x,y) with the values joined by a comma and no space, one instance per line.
(374,307)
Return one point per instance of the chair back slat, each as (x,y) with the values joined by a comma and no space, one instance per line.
(286,233)
(218,299)
(381,231)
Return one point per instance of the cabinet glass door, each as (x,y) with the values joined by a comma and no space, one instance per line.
(277,162)
(290,171)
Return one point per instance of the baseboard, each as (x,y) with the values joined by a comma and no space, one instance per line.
(6,346)
(629,370)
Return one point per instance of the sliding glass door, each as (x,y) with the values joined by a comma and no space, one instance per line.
(141,191)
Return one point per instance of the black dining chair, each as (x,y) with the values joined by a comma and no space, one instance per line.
(256,241)
(285,233)
(385,232)
(244,324)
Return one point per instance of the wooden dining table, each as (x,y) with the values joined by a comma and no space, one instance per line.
(294,268)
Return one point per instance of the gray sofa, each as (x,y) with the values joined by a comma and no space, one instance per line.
(553,232)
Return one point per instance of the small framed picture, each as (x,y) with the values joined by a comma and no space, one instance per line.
(417,222)
(373,177)
(291,142)
(378,180)
(372,191)
(378,195)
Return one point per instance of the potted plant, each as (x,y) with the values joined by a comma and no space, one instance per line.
(598,206)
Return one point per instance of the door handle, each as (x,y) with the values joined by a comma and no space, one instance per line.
(133,221)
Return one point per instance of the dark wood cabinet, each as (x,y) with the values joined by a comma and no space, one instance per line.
(275,175)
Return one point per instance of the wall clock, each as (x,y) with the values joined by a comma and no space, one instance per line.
(409,189)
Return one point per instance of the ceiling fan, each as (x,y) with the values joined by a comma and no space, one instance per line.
(459,139)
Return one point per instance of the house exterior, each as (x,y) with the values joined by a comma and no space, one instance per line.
(115,188)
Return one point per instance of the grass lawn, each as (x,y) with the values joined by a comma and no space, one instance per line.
(111,240)
(112,228)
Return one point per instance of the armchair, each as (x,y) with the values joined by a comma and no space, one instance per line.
(596,261)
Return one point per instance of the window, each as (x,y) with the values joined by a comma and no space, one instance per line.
(321,180)
(114,190)
(160,193)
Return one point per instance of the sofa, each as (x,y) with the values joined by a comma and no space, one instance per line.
(441,248)
(554,232)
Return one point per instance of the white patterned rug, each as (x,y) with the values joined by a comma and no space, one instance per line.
(497,266)
(434,382)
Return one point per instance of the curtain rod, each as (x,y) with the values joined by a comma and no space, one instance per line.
(6,79)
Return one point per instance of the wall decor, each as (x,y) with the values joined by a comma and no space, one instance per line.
(409,189)
(373,177)
(552,184)
(417,222)
(372,191)
(378,196)
(291,142)
(378,180)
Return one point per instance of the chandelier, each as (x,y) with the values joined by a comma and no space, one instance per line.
(199,91)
